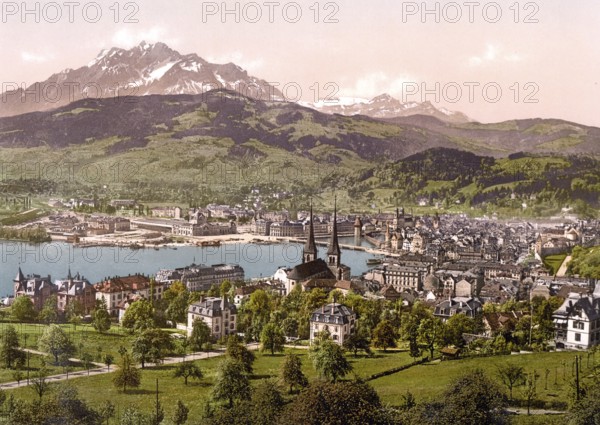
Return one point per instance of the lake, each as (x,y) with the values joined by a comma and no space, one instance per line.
(98,263)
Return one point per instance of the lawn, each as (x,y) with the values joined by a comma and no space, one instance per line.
(96,389)
(35,363)
(553,262)
(84,337)
(428,381)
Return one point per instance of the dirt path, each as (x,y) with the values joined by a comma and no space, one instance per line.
(562,270)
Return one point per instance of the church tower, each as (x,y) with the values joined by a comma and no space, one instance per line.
(334,253)
(309,253)
(357,231)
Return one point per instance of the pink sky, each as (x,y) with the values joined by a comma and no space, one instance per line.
(549,68)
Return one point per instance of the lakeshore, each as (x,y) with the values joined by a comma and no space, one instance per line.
(139,240)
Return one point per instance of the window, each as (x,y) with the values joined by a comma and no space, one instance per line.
(577,337)
(578,325)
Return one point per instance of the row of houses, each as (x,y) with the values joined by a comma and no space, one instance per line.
(117,292)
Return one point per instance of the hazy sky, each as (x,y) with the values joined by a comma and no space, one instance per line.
(549,68)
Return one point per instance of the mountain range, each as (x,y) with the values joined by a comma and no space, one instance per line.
(386,106)
(157,69)
(248,118)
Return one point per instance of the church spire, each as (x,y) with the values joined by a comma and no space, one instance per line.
(333,252)
(310,247)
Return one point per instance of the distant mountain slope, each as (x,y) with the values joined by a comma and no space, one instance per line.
(224,114)
(219,114)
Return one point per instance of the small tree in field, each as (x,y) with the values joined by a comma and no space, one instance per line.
(232,382)
(329,360)
(272,338)
(511,376)
(187,370)
(56,342)
(181,413)
(384,335)
(292,372)
(127,375)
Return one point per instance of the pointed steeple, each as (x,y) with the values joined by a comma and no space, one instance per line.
(309,252)
(69,277)
(333,252)
(20,277)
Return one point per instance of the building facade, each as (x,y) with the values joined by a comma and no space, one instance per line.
(218,313)
(337,319)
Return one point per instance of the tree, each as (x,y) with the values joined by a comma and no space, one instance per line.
(384,335)
(49,312)
(187,370)
(586,411)
(139,315)
(178,308)
(232,382)
(39,383)
(266,402)
(127,375)
(108,360)
(272,338)
(431,332)
(357,341)
(107,410)
(151,345)
(101,316)
(201,335)
(181,413)
(456,326)
(23,310)
(349,403)
(9,349)
(329,360)
(291,372)
(86,359)
(472,399)
(511,375)
(17,375)
(530,390)
(238,351)
(56,342)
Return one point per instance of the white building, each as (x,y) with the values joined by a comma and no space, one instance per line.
(337,319)
(219,314)
(577,321)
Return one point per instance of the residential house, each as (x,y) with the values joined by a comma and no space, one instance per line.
(75,289)
(470,307)
(34,286)
(577,321)
(117,289)
(337,319)
(218,313)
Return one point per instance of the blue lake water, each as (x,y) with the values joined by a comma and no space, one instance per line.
(97,263)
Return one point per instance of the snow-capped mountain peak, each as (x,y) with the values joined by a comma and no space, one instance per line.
(148,68)
(385,106)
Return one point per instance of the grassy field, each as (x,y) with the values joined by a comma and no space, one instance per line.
(84,337)
(428,381)
(553,262)
(197,393)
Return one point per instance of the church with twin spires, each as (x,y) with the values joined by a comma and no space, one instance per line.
(313,268)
